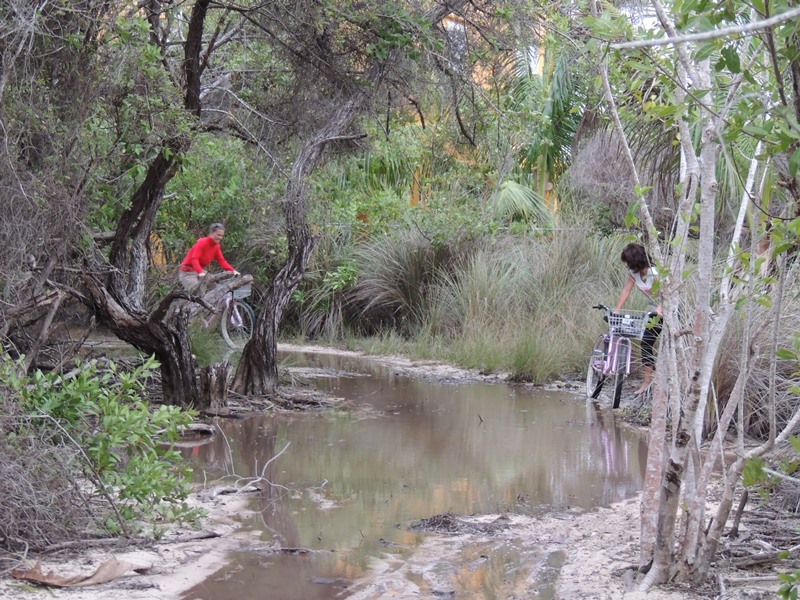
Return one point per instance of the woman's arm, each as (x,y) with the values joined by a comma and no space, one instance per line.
(222,262)
(626,291)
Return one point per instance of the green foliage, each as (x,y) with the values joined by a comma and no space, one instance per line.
(791,583)
(322,298)
(344,277)
(516,202)
(217,182)
(396,29)
(755,475)
(126,445)
(126,135)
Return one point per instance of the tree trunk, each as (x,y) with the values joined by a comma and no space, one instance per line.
(257,373)
(167,340)
(258,368)
(214,388)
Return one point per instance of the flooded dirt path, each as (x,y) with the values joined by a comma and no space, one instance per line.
(349,483)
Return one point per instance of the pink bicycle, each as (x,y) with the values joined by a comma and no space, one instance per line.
(612,352)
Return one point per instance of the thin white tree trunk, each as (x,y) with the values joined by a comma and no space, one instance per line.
(700,363)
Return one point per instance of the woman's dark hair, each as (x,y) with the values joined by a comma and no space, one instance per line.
(635,256)
(214,226)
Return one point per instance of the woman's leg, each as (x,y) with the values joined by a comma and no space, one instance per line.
(648,357)
(189,280)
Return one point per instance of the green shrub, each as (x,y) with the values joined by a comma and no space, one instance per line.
(125,445)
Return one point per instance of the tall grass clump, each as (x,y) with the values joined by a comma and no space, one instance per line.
(524,304)
(568,273)
(471,306)
(396,273)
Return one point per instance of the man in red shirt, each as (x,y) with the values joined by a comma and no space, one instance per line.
(206,249)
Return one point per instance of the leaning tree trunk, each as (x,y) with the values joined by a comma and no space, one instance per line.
(258,368)
(257,373)
(120,303)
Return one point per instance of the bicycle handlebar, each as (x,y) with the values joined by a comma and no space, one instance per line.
(610,311)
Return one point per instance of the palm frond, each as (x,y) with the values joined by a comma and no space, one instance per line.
(516,202)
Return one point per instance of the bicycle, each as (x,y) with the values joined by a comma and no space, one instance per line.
(238,318)
(611,354)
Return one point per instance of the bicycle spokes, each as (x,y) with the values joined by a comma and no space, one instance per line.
(599,388)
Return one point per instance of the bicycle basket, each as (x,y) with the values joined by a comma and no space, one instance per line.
(243,292)
(631,323)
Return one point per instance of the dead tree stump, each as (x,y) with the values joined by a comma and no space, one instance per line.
(214,388)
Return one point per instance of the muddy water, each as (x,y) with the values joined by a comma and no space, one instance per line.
(347,483)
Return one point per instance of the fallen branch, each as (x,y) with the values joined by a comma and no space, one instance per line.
(112,542)
(765,558)
(745,580)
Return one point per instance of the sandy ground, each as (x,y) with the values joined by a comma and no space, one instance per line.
(166,568)
(596,553)
(599,550)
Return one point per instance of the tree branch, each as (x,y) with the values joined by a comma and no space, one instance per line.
(711,35)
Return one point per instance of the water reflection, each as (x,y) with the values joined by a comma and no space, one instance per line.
(347,483)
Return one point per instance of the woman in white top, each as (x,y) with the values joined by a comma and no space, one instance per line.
(642,275)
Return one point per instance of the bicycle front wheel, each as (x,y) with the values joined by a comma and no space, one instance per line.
(619,380)
(595,375)
(238,322)
(622,370)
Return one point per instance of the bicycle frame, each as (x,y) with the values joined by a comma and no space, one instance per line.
(236,317)
(618,346)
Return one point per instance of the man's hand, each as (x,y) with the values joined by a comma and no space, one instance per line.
(201,274)
(235,272)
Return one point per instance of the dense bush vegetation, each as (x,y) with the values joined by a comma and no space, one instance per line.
(82,455)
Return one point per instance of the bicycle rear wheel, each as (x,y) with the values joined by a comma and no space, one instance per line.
(238,322)
(595,377)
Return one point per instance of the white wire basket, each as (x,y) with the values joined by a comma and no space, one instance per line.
(630,323)
(243,292)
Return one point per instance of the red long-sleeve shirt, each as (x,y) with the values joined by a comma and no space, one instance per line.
(201,255)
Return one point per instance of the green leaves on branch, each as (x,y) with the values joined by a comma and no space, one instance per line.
(345,276)
(400,30)
(729,59)
(631,218)
(609,24)
(788,591)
